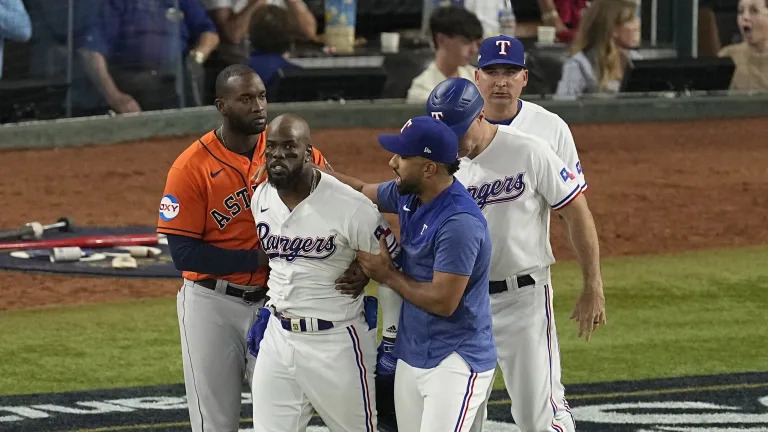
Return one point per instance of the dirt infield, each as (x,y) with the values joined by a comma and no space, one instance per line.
(653,188)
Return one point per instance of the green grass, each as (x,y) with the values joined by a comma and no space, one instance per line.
(95,346)
(669,315)
(696,313)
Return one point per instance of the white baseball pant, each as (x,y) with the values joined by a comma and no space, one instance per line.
(330,371)
(529,358)
(214,329)
(441,399)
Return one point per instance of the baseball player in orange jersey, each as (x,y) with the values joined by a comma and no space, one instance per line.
(205,212)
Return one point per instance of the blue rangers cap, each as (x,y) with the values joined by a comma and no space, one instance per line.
(456,102)
(501,50)
(426,137)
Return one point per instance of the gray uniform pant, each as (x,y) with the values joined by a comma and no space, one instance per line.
(214,329)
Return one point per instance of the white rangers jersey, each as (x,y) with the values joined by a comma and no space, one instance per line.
(515,181)
(537,121)
(311,246)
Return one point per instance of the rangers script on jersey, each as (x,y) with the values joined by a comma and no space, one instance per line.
(515,182)
(311,246)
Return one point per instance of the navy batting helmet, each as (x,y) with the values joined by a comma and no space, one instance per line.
(457,102)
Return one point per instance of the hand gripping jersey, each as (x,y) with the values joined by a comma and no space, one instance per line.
(515,182)
(208,196)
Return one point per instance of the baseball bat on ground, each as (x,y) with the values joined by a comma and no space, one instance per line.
(36,229)
(98,241)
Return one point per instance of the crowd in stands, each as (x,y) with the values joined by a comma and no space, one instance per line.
(603,36)
(136,55)
(14,24)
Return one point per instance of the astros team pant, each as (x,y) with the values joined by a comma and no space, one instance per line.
(331,371)
(529,358)
(214,329)
(441,399)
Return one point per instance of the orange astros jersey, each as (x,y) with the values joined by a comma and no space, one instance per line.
(208,196)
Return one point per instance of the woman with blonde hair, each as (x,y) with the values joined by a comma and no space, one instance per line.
(602,49)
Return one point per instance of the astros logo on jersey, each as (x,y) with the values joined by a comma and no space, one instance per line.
(498,191)
(291,248)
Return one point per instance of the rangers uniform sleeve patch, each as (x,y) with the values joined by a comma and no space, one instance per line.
(566,175)
(169,207)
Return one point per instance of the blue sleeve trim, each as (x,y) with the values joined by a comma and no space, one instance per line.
(574,193)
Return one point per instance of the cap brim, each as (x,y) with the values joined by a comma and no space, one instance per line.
(394,144)
(501,61)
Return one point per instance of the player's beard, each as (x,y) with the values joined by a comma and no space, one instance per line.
(405,188)
(287,181)
(244,126)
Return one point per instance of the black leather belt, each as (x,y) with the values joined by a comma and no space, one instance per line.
(249,297)
(496,287)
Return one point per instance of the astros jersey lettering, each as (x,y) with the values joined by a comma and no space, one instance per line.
(311,246)
(207,196)
(515,182)
(537,121)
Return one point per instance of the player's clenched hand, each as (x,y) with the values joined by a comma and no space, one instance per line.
(353,281)
(377,266)
(589,311)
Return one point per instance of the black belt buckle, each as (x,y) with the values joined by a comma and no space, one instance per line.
(249,297)
(495,287)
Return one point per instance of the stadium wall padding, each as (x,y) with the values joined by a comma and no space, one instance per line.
(378,114)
